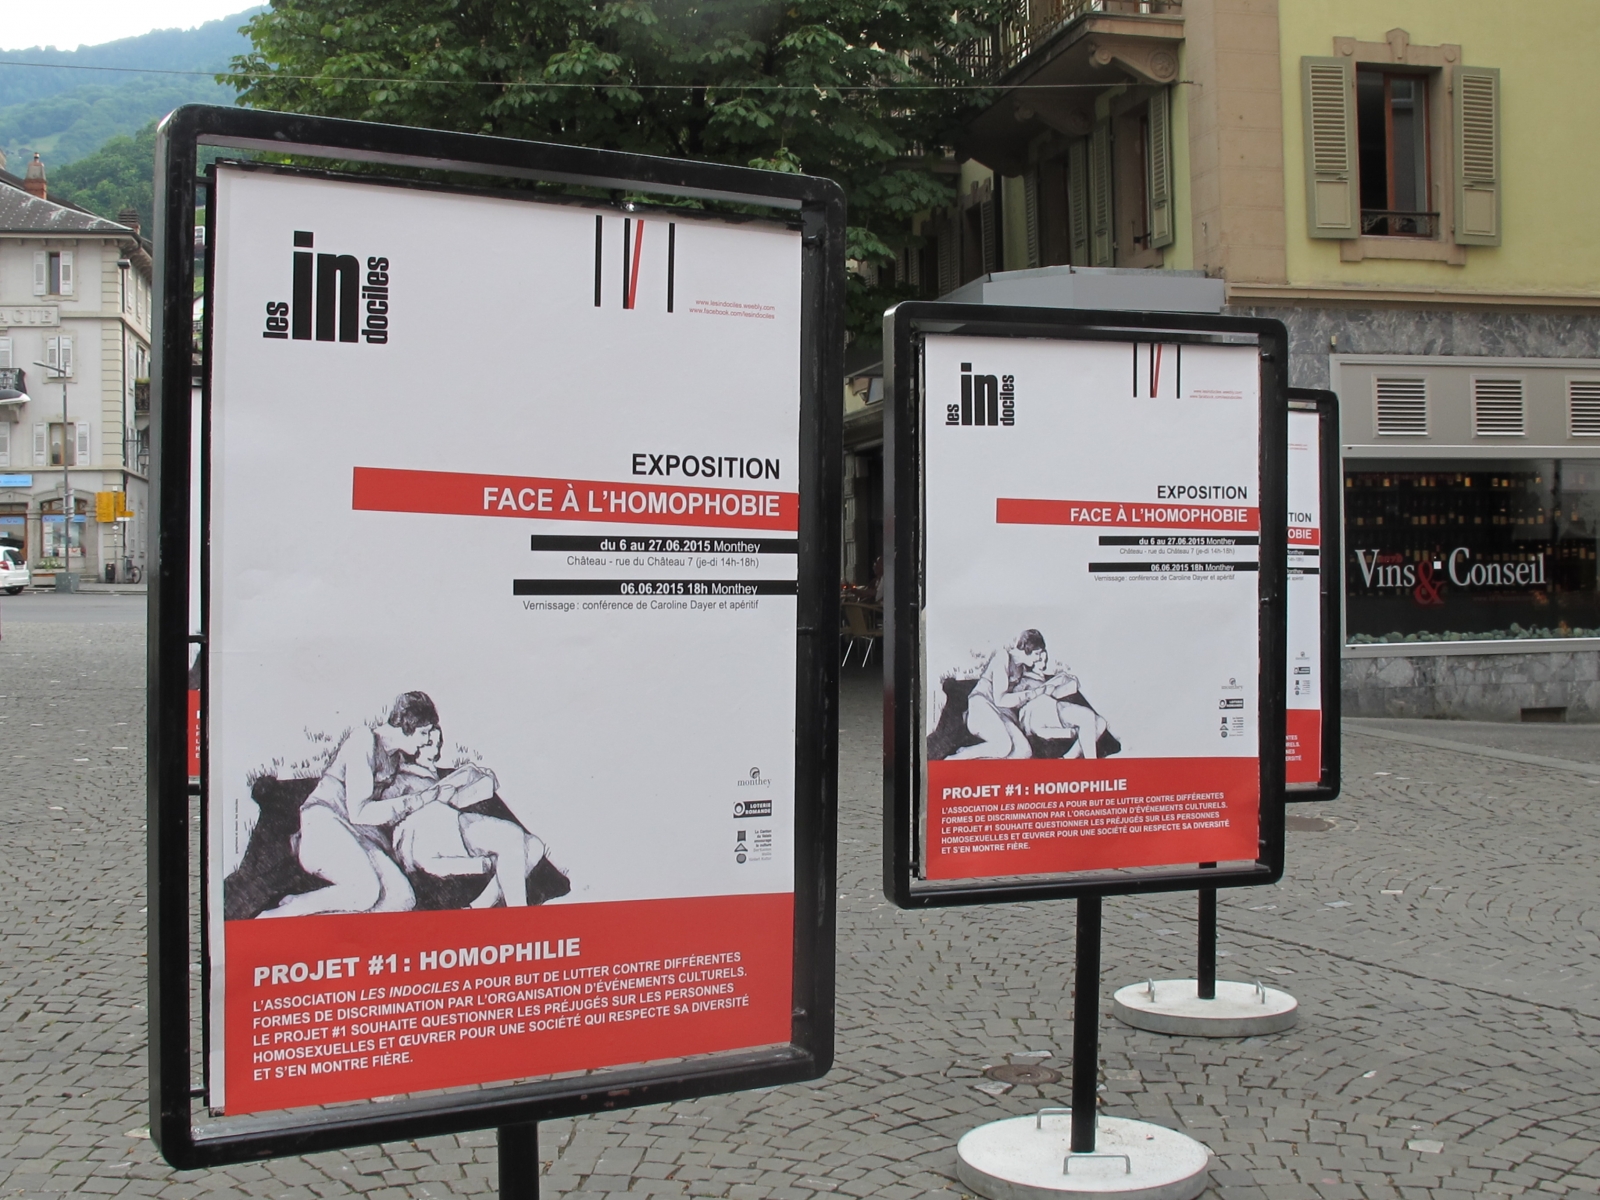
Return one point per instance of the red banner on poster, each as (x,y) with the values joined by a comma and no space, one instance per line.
(1121,514)
(380,489)
(329,1008)
(990,817)
(1303,749)
(194,734)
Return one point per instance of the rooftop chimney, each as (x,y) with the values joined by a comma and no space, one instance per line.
(130,218)
(33,182)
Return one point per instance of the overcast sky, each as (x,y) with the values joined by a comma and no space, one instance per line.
(68,24)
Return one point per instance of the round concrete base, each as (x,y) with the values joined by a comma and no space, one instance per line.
(1026,1158)
(1240,1009)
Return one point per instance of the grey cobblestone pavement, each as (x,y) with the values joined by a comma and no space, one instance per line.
(1440,936)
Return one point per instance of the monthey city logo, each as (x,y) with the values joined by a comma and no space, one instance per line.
(985,400)
(331,301)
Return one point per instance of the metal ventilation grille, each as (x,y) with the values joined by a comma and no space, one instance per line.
(1402,405)
(1583,407)
(1497,408)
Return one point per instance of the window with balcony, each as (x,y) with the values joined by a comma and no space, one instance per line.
(1402,146)
(1392,145)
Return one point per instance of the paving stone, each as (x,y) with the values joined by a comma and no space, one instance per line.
(1472,998)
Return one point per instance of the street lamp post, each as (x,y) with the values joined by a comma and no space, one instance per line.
(66,475)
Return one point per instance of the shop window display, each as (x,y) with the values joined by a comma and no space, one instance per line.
(1447,550)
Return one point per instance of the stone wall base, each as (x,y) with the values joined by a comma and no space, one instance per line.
(1474,687)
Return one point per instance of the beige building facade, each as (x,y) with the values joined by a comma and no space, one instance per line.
(75,317)
(1400,183)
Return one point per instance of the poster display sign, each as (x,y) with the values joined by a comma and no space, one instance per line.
(575,721)
(513,561)
(1311,719)
(1084,613)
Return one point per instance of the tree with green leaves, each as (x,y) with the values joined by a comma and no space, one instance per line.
(118,175)
(864,92)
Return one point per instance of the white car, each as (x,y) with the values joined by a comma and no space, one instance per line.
(13,571)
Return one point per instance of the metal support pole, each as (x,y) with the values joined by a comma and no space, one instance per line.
(68,448)
(1208,944)
(519,1161)
(1086,1026)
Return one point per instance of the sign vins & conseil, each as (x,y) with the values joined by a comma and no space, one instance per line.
(1394,573)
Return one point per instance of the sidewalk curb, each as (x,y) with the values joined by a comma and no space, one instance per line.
(1535,760)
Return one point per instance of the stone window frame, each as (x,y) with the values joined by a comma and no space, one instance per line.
(1439,64)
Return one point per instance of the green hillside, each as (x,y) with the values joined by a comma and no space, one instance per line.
(65,113)
(73,124)
(120,174)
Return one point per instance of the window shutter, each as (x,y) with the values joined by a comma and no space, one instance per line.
(1402,405)
(1333,190)
(1030,211)
(5,352)
(1497,408)
(5,443)
(1160,169)
(1078,201)
(66,273)
(41,445)
(1477,156)
(58,354)
(987,222)
(949,255)
(1583,407)
(1101,250)
(41,272)
(85,455)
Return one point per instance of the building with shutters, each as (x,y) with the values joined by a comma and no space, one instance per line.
(75,316)
(1396,182)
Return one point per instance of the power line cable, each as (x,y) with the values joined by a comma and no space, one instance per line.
(754,85)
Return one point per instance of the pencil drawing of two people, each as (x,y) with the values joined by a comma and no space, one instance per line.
(385,828)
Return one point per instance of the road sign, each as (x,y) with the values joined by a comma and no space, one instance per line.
(110,507)
(1315,593)
(516,730)
(1086,602)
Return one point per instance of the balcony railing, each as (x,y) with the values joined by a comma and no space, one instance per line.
(1377,222)
(1032,22)
(141,395)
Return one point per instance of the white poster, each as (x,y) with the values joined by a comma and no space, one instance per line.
(504,503)
(1303,699)
(1091,648)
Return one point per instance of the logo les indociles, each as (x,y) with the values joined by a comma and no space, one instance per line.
(331,301)
(985,400)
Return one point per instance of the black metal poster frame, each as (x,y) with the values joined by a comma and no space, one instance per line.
(905,327)
(1331,575)
(813,206)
